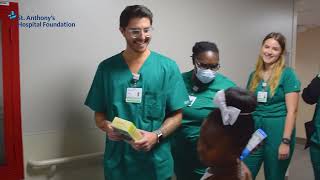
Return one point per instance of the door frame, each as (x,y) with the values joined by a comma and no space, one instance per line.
(13,167)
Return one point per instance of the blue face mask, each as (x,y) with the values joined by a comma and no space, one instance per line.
(205,75)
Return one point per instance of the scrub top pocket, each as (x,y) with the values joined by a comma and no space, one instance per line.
(154,105)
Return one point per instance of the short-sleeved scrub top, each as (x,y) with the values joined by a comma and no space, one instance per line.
(163,91)
(187,163)
(276,104)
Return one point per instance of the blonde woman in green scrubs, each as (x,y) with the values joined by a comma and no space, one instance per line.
(145,88)
(277,88)
(202,83)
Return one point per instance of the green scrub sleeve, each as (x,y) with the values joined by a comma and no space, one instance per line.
(177,96)
(249,80)
(96,95)
(291,81)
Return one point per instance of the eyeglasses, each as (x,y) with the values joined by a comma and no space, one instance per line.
(207,66)
(136,32)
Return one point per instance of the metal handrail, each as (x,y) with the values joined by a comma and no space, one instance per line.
(52,163)
(64,160)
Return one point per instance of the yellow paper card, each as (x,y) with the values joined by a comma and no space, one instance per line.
(126,128)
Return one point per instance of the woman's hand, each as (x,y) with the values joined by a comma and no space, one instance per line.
(284,151)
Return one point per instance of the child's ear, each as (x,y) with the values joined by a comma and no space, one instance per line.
(210,157)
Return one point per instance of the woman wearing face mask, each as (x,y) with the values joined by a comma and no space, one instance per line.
(277,89)
(202,84)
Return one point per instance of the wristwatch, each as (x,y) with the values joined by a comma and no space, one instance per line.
(159,134)
(286,141)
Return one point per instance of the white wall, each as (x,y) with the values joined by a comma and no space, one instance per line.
(57,65)
(307,66)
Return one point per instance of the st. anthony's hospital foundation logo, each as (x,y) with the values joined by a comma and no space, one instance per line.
(43,21)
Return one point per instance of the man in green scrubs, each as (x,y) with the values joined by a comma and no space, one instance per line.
(270,116)
(145,88)
(201,87)
(311,95)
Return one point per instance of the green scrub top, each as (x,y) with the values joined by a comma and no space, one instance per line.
(163,91)
(276,104)
(316,118)
(194,115)
(187,163)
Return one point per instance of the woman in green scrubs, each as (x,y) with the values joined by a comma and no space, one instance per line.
(311,95)
(202,83)
(277,89)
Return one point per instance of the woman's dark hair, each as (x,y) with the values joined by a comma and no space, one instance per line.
(240,132)
(134,11)
(203,46)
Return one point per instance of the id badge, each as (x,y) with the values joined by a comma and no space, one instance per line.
(134,95)
(262,96)
(192,99)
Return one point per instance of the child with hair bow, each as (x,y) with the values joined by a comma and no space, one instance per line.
(224,134)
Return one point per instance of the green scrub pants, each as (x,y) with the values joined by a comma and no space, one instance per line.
(274,169)
(315,159)
(187,165)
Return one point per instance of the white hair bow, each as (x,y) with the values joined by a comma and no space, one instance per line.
(229,113)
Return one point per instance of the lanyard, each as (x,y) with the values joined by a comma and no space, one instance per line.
(135,79)
(264,86)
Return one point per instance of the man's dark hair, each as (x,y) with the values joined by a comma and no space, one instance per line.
(134,11)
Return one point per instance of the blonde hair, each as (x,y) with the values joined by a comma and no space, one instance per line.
(277,68)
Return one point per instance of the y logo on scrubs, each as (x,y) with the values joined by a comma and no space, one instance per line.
(12,15)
